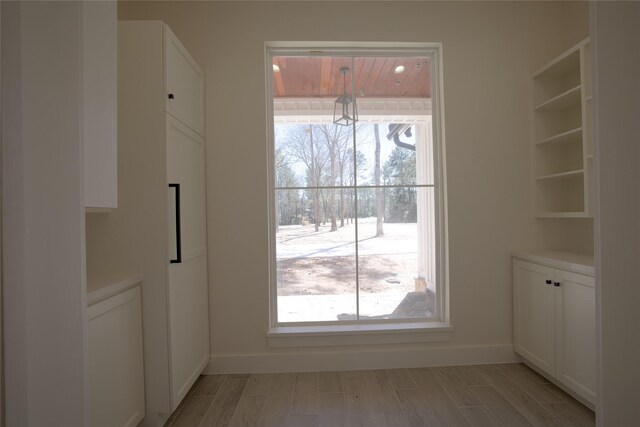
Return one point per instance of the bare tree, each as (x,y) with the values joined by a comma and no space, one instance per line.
(337,140)
(329,136)
(301,145)
(379,207)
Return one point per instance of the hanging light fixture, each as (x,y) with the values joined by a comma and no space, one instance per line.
(345,111)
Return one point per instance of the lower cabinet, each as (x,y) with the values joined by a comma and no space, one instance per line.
(554,324)
(116,378)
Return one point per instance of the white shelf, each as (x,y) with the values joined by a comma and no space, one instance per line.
(560,175)
(563,138)
(103,286)
(561,215)
(565,100)
(562,64)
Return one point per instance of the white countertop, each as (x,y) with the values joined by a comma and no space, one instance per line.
(102,286)
(578,263)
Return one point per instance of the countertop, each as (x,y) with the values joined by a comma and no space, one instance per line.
(578,263)
(103,286)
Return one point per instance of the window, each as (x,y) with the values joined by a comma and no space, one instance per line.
(357,228)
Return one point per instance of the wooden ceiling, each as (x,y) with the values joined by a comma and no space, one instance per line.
(319,77)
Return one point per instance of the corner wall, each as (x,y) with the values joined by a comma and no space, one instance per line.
(616,97)
(44,297)
(490,51)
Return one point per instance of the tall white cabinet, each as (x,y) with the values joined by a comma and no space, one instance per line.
(159,229)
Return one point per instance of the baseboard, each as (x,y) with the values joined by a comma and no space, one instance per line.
(360,359)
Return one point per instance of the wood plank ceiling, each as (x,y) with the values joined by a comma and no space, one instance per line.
(319,77)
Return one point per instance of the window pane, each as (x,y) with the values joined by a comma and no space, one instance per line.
(396,274)
(315,250)
(318,155)
(394,106)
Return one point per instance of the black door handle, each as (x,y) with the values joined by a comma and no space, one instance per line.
(556,284)
(178,258)
(548,282)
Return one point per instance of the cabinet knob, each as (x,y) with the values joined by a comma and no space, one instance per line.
(556,284)
(548,282)
(172,96)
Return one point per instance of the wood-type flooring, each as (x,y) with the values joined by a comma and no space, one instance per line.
(509,395)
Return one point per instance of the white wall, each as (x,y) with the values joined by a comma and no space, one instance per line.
(490,51)
(616,41)
(43,215)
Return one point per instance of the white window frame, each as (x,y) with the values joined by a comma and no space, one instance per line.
(365,331)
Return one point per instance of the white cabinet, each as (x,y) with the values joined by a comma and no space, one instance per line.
(534,314)
(188,292)
(161,218)
(554,322)
(184,84)
(116,380)
(99,103)
(562,123)
(575,333)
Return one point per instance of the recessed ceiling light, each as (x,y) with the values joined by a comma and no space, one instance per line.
(276,69)
(399,69)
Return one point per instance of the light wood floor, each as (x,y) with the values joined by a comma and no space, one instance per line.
(507,395)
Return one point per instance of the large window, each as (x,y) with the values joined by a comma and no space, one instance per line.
(357,191)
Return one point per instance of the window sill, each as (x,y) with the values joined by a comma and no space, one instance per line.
(362,334)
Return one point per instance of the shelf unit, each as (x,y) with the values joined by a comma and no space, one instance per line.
(563,154)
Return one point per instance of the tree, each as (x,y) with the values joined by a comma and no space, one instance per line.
(360,165)
(287,201)
(400,169)
(301,145)
(335,139)
(379,209)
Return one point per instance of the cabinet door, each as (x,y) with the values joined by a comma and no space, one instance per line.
(99,103)
(576,333)
(534,313)
(184,84)
(188,288)
(116,378)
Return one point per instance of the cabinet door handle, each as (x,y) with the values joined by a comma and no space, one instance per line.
(556,284)
(172,96)
(548,282)
(178,258)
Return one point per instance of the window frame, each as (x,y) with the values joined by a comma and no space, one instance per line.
(441,323)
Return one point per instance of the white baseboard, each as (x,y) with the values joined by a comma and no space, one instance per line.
(360,359)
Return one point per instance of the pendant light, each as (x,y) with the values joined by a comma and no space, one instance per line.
(345,111)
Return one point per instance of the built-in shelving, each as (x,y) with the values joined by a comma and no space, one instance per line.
(563,157)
